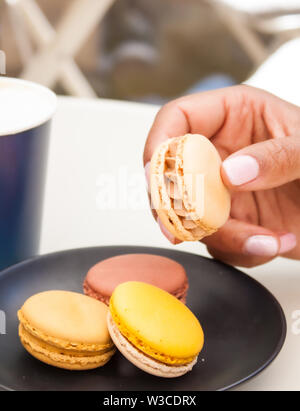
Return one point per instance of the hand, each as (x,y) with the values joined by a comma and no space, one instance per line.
(258,136)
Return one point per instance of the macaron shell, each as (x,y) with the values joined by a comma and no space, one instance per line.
(181,293)
(203,182)
(175,230)
(156,323)
(67,317)
(91,292)
(142,361)
(65,365)
(157,270)
(60,358)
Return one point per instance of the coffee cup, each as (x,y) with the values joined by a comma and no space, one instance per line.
(26,110)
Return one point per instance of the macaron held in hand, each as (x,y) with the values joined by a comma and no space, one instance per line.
(163,272)
(187,191)
(154,330)
(66,330)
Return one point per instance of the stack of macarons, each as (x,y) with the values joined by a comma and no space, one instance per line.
(133,303)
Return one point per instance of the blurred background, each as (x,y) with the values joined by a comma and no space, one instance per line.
(141,50)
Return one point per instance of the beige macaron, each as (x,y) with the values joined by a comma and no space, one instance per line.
(66,330)
(187,191)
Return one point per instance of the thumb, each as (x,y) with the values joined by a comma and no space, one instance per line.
(264,165)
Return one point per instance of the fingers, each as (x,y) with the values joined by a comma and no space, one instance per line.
(259,166)
(263,165)
(169,122)
(189,114)
(243,244)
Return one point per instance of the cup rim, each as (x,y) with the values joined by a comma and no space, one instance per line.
(50,95)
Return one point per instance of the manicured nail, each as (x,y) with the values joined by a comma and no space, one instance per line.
(147,175)
(287,242)
(165,232)
(241,169)
(262,245)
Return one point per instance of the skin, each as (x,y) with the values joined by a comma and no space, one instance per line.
(243,120)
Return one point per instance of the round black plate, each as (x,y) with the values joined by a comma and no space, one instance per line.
(244,325)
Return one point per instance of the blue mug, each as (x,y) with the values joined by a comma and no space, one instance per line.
(26,110)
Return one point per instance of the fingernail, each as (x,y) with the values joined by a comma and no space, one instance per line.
(262,245)
(165,232)
(241,169)
(287,242)
(147,175)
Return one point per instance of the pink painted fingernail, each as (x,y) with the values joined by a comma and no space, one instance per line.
(147,175)
(261,245)
(241,169)
(165,232)
(287,242)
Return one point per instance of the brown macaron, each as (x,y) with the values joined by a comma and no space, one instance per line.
(162,272)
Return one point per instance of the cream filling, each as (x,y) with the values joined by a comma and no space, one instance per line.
(62,344)
(139,356)
(175,192)
(61,355)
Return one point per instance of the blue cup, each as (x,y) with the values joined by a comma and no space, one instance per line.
(26,110)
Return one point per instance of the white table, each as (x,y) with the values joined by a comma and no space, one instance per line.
(95,141)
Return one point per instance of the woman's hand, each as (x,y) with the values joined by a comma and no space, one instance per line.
(258,136)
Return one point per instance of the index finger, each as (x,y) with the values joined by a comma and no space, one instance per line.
(201,113)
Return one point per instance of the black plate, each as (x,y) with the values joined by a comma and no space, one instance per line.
(243,323)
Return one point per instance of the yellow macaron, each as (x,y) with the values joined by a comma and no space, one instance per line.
(66,330)
(154,330)
(186,187)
